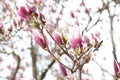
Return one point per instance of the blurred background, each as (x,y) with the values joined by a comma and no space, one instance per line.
(22,59)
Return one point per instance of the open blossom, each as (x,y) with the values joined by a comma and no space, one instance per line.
(39,38)
(25,12)
(57,37)
(76,40)
(116,68)
(31,10)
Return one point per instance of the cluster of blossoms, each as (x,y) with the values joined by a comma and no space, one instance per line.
(81,45)
(29,13)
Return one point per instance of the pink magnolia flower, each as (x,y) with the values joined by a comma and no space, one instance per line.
(116,68)
(10,28)
(39,38)
(63,70)
(57,37)
(25,12)
(76,40)
(72,14)
(31,10)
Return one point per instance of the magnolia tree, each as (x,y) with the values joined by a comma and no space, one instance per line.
(59,39)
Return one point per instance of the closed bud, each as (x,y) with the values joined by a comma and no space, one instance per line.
(72,14)
(57,38)
(40,38)
(87,10)
(14,22)
(63,69)
(116,69)
(10,28)
(98,45)
(64,38)
(42,19)
(78,50)
(1,28)
(88,57)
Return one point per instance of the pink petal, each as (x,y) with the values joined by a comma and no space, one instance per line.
(57,37)
(23,13)
(72,14)
(116,68)
(40,38)
(63,70)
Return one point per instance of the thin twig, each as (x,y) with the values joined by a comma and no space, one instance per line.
(58,60)
(46,70)
(102,67)
(60,46)
(112,34)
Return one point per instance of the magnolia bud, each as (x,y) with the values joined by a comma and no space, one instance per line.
(64,38)
(40,38)
(10,28)
(88,57)
(116,69)
(42,19)
(63,70)
(1,28)
(57,37)
(72,14)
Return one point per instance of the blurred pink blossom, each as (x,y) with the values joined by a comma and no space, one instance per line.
(72,14)
(10,28)
(25,12)
(39,38)
(116,68)
(63,70)
(72,77)
(76,40)
(57,37)
(42,18)
(86,40)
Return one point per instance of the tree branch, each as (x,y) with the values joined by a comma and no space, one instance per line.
(46,70)
(17,68)
(112,35)
(34,59)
